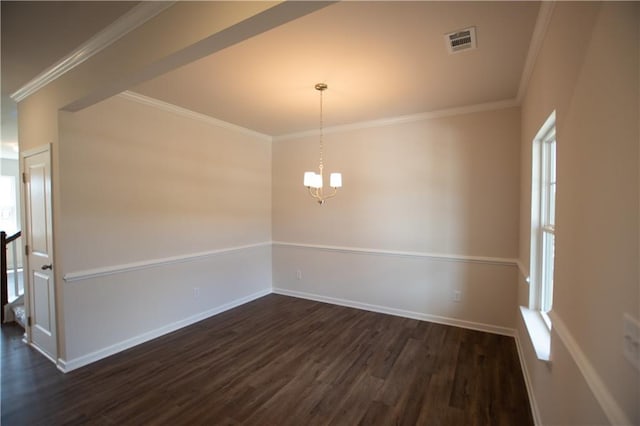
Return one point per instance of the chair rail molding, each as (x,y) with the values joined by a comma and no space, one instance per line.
(370,251)
(152,263)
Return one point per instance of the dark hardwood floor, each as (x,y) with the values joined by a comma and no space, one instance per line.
(279,361)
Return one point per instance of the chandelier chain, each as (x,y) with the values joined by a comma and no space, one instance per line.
(321,129)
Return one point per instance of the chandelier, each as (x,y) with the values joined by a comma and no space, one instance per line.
(312,180)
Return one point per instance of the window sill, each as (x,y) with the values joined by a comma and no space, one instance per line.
(539,333)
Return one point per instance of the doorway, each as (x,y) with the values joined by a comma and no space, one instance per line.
(40,294)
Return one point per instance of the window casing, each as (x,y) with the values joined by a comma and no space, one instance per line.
(543,208)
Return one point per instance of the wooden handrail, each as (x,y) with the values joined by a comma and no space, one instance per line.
(13,237)
(4,282)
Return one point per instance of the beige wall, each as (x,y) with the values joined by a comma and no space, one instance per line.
(588,72)
(446,186)
(124,63)
(139,184)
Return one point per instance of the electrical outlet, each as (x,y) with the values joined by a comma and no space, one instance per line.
(299,274)
(456,296)
(632,340)
(196,291)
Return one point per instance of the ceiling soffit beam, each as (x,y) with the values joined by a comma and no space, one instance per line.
(131,20)
(254,25)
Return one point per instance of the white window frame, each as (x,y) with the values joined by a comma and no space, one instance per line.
(543,219)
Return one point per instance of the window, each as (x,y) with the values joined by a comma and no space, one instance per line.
(8,205)
(543,210)
(9,223)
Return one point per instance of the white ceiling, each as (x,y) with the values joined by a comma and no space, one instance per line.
(380,60)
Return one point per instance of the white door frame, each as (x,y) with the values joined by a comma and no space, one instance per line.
(27,258)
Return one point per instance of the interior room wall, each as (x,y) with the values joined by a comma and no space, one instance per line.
(587,71)
(438,197)
(110,69)
(165,219)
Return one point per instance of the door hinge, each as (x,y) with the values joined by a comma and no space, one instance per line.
(24,178)
(29,321)
(26,250)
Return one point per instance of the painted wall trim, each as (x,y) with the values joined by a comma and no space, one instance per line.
(435,256)
(490,106)
(43,353)
(535,411)
(67,366)
(131,20)
(539,334)
(607,402)
(539,32)
(523,270)
(397,312)
(153,263)
(174,109)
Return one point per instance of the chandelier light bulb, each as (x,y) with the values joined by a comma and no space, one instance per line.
(335,180)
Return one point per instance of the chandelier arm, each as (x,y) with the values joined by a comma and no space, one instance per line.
(315,192)
(318,193)
(333,194)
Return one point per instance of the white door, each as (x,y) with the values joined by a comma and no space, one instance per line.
(39,233)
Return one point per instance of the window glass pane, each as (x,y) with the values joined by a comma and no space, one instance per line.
(552,204)
(552,183)
(552,160)
(548,251)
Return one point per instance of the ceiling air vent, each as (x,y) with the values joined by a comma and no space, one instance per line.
(461,40)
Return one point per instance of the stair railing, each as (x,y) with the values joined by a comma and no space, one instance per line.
(4,281)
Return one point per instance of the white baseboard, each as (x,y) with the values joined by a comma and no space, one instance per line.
(432,318)
(66,366)
(537,420)
(35,347)
(398,312)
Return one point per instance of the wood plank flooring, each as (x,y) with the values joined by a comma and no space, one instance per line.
(279,361)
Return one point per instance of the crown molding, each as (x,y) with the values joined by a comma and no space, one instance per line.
(489,106)
(539,32)
(131,20)
(174,109)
